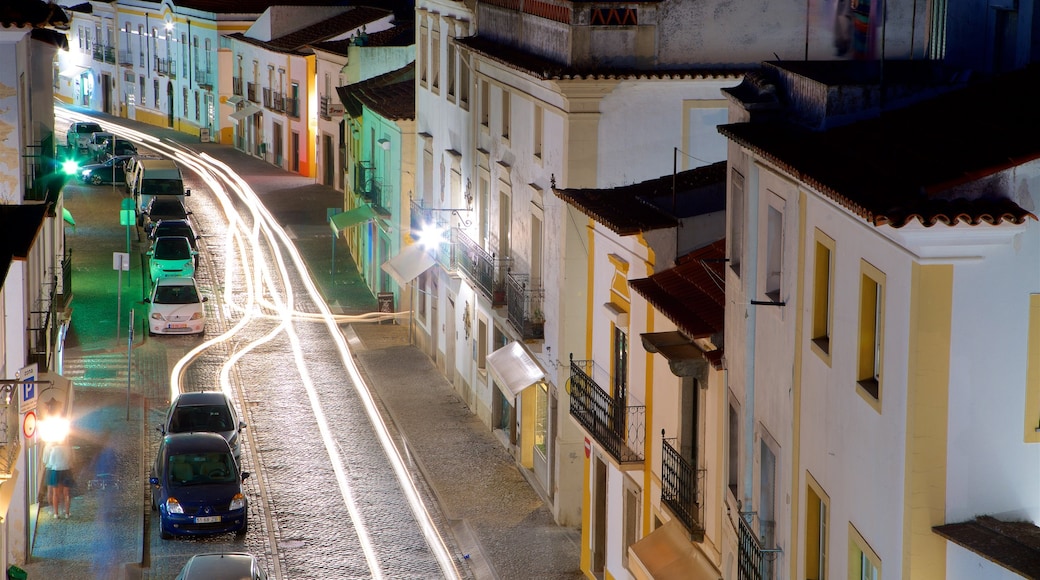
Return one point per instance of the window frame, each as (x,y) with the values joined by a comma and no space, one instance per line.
(871,334)
(822,322)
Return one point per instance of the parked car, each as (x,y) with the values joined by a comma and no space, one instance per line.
(222,566)
(176,307)
(77,138)
(205,411)
(163,208)
(116,146)
(171,256)
(97,142)
(197,486)
(133,167)
(112,170)
(182,227)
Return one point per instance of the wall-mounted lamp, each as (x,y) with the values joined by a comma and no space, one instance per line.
(468,194)
(384,143)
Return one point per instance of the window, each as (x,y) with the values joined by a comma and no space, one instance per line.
(463,82)
(815,532)
(735,237)
(619,368)
(774,247)
(155,93)
(451,70)
(485,103)
(767,502)
(196,105)
(184,99)
(208,54)
(823,284)
(864,563)
(184,56)
(505,114)
(424,50)
(482,342)
(632,519)
(871,329)
(140,49)
(538,118)
(733,442)
(541,417)
(435,60)
(505,217)
(141,81)
(483,209)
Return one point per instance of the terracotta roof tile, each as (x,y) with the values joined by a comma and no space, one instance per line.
(392,94)
(352,19)
(246,6)
(651,205)
(908,163)
(692,294)
(1013,545)
(548,69)
(34,14)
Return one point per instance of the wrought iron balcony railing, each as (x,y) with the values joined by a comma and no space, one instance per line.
(65,296)
(236,86)
(110,54)
(323,103)
(10,431)
(251,92)
(204,78)
(102,53)
(267,96)
(480,266)
(40,170)
(126,58)
(524,305)
(418,217)
(292,107)
(754,561)
(619,428)
(97,53)
(682,488)
(43,321)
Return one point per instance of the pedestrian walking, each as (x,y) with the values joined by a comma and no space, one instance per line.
(57,460)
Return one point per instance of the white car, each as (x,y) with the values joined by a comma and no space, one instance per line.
(176,307)
(171,257)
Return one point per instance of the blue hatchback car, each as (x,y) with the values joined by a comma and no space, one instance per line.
(197,487)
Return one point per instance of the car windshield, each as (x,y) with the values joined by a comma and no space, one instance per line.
(162,187)
(171,207)
(201,468)
(200,418)
(176,295)
(88,128)
(171,249)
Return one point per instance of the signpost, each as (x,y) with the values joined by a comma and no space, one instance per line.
(28,395)
(120,262)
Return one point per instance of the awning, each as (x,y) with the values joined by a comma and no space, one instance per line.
(513,369)
(73,71)
(244,112)
(667,553)
(407,265)
(234,99)
(67,216)
(685,358)
(351,218)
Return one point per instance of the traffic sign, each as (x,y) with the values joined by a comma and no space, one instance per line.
(28,391)
(29,425)
(127,213)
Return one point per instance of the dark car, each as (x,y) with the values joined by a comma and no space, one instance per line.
(116,147)
(111,171)
(176,228)
(197,486)
(222,566)
(163,208)
(205,411)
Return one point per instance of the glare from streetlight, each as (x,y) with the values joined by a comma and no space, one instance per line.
(54,429)
(431,236)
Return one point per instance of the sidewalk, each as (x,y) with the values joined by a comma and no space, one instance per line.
(496,517)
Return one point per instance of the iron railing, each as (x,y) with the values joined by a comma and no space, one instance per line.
(65,296)
(251,92)
(10,430)
(277,101)
(292,107)
(267,97)
(42,325)
(204,78)
(126,58)
(682,489)
(39,169)
(102,53)
(620,429)
(754,560)
(524,305)
(236,86)
(479,266)
(323,103)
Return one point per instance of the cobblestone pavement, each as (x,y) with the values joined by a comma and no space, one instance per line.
(493,521)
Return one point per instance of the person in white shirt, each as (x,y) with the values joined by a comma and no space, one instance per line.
(57,459)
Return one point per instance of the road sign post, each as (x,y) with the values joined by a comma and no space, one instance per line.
(120,262)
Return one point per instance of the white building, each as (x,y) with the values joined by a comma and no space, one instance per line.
(882,322)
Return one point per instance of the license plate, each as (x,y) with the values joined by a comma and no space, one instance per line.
(207,519)
(177,325)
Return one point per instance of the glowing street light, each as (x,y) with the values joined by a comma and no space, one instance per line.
(53,429)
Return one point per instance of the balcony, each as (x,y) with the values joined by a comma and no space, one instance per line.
(126,58)
(524,306)
(480,267)
(754,562)
(43,327)
(11,433)
(277,102)
(251,92)
(65,296)
(292,107)
(204,79)
(267,96)
(323,103)
(162,65)
(620,429)
(39,168)
(236,86)
(682,489)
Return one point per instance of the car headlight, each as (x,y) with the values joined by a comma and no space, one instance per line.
(238,502)
(173,506)
(157,316)
(196,316)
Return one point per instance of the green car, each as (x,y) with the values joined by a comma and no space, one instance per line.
(171,256)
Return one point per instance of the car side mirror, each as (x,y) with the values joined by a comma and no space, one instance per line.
(245,475)
(205,298)
(241,425)
(187,192)
(153,480)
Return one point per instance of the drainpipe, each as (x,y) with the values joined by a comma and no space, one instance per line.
(750,317)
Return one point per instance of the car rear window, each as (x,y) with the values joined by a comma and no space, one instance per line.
(88,128)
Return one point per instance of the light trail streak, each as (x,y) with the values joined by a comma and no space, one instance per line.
(258,277)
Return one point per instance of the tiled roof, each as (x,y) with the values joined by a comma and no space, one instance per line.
(247,6)
(347,21)
(401,34)
(548,69)
(651,205)
(298,41)
(1013,545)
(392,94)
(33,13)
(20,224)
(908,163)
(692,294)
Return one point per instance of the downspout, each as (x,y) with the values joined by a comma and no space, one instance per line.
(750,318)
